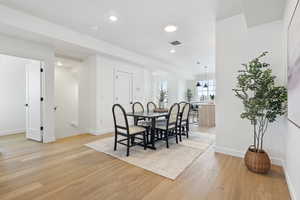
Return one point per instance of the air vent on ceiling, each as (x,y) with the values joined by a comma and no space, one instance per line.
(176,43)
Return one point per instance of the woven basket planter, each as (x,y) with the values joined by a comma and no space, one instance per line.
(258,162)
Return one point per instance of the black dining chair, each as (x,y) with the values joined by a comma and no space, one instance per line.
(141,121)
(136,108)
(123,129)
(169,128)
(151,106)
(181,105)
(183,125)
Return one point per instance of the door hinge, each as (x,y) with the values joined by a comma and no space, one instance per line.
(42,128)
(42,98)
(42,70)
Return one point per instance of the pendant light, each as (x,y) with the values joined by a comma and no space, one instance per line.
(206,84)
(198,84)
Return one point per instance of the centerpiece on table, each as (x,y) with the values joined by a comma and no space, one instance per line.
(263,102)
(162,101)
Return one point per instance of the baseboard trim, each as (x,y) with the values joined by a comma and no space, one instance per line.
(101,131)
(11,132)
(289,183)
(240,154)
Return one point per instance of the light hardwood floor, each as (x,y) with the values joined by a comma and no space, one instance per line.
(67,170)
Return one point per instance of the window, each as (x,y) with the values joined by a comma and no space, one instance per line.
(204,92)
(163,85)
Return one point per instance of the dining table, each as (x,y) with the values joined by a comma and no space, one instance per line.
(152,117)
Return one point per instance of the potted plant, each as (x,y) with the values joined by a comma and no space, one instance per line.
(189,95)
(263,102)
(212,97)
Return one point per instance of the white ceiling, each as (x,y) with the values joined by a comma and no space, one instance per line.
(256,12)
(263,11)
(228,8)
(140,25)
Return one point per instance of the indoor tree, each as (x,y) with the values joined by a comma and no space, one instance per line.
(263,100)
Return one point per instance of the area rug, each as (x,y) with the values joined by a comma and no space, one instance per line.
(169,163)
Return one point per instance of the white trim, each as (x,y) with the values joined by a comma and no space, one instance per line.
(101,131)
(289,183)
(240,154)
(11,132)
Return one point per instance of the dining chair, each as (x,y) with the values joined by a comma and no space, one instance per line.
(169,128)
(181,105)
(138,107)
(123,129)
(183,125)
(141,121)
(151,106)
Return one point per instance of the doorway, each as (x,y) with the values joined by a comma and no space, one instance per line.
(123,89)
(66,97)
(22,101)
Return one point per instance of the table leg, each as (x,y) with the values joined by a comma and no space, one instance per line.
(135,120)
(153,132)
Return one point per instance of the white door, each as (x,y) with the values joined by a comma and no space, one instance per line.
(33,101)
(123,90)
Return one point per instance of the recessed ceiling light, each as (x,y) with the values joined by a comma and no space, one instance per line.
(59,64)
(171,28)
(113,18)
(172,51)
(95,28)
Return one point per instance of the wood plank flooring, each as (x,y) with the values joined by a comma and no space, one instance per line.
(68,170)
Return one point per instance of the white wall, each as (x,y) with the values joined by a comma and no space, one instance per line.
(176,90)
(236,44)
(96,91)
(292,136)
(106,68)
(176,87)
(66,101)
(21,48)
(87,95)
(13,91)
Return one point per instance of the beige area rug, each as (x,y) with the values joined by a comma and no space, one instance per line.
(169,163)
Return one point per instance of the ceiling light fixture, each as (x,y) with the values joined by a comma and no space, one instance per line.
(59,64)
(172,51)
(95,28)
(206,84)
(171,28)
(113,18)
